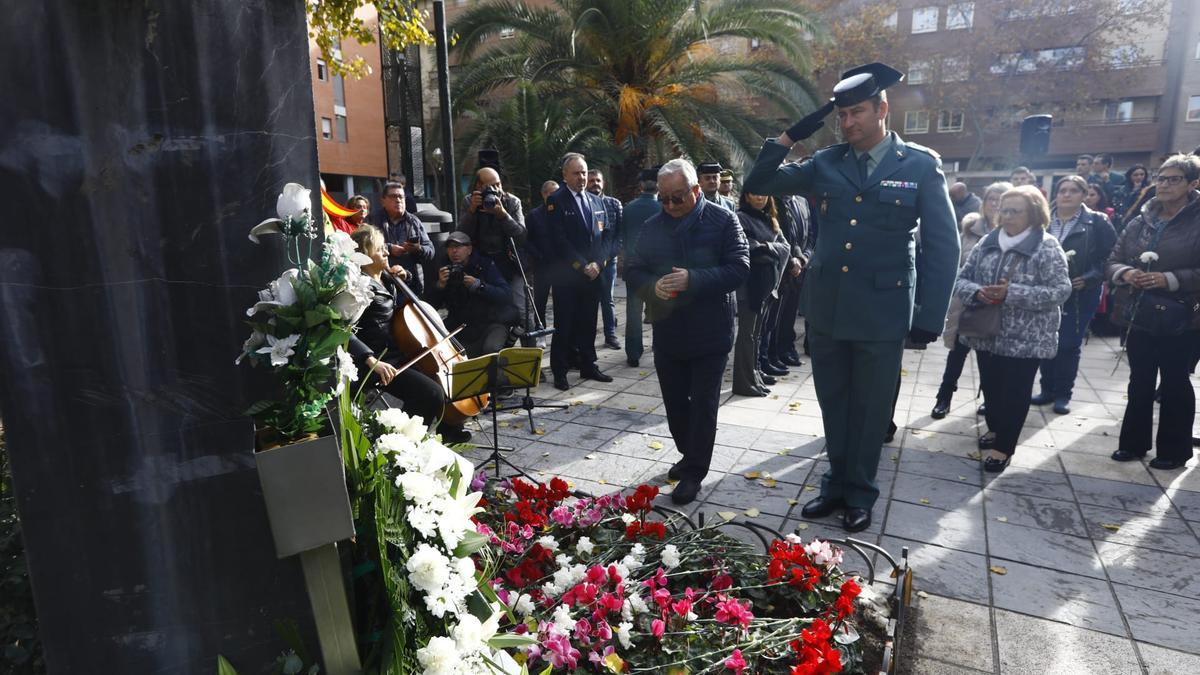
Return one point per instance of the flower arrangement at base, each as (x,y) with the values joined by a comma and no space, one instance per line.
(302,321)
(603,587)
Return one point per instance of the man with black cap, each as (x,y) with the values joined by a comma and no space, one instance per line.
(637,212)
(710,185)
(875,194)
(475,294)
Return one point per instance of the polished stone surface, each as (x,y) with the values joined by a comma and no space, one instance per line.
(141,143)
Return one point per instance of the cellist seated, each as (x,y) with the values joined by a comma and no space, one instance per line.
(373,347)
(475,295)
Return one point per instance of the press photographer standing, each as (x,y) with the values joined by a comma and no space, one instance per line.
(492,218)
(475,294)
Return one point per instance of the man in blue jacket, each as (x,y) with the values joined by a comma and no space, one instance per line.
(637,212)
(687,262)
(580,234)
(875,195)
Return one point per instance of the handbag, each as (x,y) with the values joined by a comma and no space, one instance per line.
(1160,313)
(983,321)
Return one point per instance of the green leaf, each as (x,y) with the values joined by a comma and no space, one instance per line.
(471,542)
(224,667)
(510,640)
(316,317)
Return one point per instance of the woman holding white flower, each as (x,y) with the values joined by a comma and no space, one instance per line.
(374,349)
(1156,267)
(1012,286)
(1087,237)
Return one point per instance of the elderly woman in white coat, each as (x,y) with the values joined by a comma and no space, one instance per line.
(973,228)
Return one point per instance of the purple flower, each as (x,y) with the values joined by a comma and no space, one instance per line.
(563,516)
(561,653)
(479,481)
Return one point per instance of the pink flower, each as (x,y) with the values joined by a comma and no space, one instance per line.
(560,652)
(682,607)
(735,662)
(658,627)
(598,658)
(563,516)
(733,612)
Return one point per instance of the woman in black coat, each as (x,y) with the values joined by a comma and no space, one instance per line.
(769,253)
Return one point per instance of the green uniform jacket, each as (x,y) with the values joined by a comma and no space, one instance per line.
(865,281)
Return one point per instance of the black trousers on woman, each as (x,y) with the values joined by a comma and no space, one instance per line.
(1151,357)
(1007,387)
(955,360)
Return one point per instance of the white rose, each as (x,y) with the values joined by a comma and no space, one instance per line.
(348,306)
(439,657)
(428,569)
(284,288)
(294,201)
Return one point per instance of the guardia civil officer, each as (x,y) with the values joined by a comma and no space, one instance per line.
(875,195)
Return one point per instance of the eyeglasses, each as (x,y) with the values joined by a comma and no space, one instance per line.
(1169,180)
(394,196)
(1009,213)
(677,200)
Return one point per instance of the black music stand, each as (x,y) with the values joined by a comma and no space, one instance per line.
(523,367)
(487,375)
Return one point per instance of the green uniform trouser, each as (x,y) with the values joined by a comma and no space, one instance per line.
(855,382)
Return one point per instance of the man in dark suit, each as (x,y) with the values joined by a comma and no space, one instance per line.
(865,290)
(637,212)
(608,277)
(578,226)
(689,259)
(540,250)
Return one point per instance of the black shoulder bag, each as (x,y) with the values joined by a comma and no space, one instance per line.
(1158,312)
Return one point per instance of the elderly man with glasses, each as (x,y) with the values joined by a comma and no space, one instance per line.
(689,258)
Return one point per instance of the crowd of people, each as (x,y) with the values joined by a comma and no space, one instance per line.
(1015,274)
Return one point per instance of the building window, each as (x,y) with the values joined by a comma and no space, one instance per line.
(340,126)
(1193,112)
(920,72)
(925,19)
(326,128)
(949,121)
(893,20)
(322,72)
(1116,112)
(755,43)
(917,121)
(956,69)
(960,15)
(1062,58)
(1123,56)
(507,32)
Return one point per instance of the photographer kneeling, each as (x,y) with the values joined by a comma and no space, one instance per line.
(493,219)
(475,294)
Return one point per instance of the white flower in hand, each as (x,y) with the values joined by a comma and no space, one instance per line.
(280,348)
(1148,257)
(1070,254)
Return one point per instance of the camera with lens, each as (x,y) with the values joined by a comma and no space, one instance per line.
(457,273)
(490,196)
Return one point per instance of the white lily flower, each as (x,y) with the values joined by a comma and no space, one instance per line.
(294,201)
(268,226)
(346,370)
(280,348)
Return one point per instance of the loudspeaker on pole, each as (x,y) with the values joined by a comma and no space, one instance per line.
(1035,135)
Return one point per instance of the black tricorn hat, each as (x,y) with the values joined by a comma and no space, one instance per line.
(709,167)
(862,82)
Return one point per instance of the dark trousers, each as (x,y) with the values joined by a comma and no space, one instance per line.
(575,308)
(691,391)
(955,360)
(1058,373)
(746,376)
(783,341)
(634,307)
(856,387)
(1152,357)
(608,306)
(480,340)
(541,293)
(1007,387)
(419,394)
(766,333)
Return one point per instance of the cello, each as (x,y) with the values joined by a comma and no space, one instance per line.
(417,327)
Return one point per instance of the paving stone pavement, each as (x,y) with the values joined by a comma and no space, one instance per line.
(1067,562)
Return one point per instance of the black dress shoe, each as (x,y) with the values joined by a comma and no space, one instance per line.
(987,441)
(1126,456)
(452,435)
(768,380)
(685,491)
(560,383)
(770,369)
(1167,464)
(940,408)
(752,391)
(675,472)
(993,465)
(856,519)
(596,375)
(776,363)
(632,363)
(611,342)
(791,360)
(821,507)
(982,409)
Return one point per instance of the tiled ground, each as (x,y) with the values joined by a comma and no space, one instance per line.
(1068,562)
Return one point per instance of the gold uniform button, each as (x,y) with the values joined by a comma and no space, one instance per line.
(845,268)
(849,246)
(858,198)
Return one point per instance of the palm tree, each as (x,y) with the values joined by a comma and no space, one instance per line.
(647,71)
(532,134)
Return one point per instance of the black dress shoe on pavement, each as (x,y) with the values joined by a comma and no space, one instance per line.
(685,491)
(611,342)
(1167,464)
(776,363)
(993,465)
(987,441)
(560,383)
(791,360)
(940,408)
(632,363)
(855,519)
(753,392)
(821,507)
(981,410)
(768,380)
(596,375)
(1041,399)
(675,472)
(1126,456)
(891,432)
(770,369)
